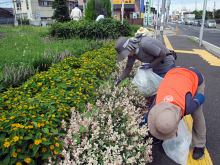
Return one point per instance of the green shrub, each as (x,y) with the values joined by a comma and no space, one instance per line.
(105,28)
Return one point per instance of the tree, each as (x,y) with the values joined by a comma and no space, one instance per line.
(208,15)
(217,14)
(196,14)
(96,7)
(61,12)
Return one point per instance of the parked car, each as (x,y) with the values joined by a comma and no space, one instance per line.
(174,21)
(179,21)
(210,23)
(195,23)
(199,22)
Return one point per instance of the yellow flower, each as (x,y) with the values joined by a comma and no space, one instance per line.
(27,160)
(18,163)
(15,138)
(44,149)
(53,115)
(21,137)
(30,146)
(6,144)
(44,139)
(55,138)
(36,142)
(57,144)
(18,150)
(55,152)
(38,125)
(51,147)
(14,154)
(42,115)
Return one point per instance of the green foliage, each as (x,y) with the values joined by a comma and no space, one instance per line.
(96,7)
(31,115)
(24,21)
(61,12)
(199,14)
(217,14)
(104,28)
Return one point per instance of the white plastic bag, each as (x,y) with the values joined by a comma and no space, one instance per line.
(177,148)
(147,81)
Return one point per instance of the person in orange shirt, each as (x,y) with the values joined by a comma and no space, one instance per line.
(179,94)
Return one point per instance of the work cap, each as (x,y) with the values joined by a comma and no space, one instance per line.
(163,120)
(141,30)
(120,47)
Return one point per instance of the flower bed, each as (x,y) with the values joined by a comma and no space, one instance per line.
(31,115)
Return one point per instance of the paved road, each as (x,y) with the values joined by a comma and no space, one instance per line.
(211,73)
(211,35)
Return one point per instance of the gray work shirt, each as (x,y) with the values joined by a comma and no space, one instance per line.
(149,49)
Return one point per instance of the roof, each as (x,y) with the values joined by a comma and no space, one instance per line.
(10,10)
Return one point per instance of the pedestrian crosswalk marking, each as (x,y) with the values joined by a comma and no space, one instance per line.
(190,161)
(211,59)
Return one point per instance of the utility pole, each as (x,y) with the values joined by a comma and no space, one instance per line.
(20,13)
(214,10)
(112,8)
(162,20)
(15,10)
(156,19)
(203,20)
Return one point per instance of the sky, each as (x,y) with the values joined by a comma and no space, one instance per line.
(175,4)
(190,5)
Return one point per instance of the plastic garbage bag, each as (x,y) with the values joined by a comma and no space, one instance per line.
(147,82)
(177,148)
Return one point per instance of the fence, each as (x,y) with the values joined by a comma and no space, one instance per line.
(5,21)
(138,21)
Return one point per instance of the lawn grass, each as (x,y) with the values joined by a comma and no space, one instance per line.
(22,45)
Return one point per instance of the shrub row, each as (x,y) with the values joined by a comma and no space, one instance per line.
(104,28)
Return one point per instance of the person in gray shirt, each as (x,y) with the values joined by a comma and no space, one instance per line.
(146,50)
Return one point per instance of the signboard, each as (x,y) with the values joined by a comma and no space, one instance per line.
(37,15)
(145,19)
(149,10)
(16,23)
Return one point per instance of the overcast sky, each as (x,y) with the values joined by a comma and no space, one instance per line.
(175,4)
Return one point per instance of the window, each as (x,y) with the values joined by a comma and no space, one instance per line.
(19,6)
(27,4)
(45,3)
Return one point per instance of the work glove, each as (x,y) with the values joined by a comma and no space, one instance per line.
(145,66)
(117,82)
(200,97)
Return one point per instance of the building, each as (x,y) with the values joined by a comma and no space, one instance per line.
(39,12)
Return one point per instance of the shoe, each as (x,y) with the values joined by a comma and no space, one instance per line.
(198,153)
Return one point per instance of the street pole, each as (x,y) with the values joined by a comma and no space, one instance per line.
(162,20)
(112,8)
(122,12)
(203,20)
(15,10)
(20,13)
(156,19)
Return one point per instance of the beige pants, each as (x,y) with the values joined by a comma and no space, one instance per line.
(199,126)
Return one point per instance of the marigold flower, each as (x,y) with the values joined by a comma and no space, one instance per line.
(55,152)
(18,150)
(27,160)
(15,154)
(6,144)
(21,137)
(18,163)
(53,115)
(15,138)
(51,147)
(57,144)
(44,149)
(36,142)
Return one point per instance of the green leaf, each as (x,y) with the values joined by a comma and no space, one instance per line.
(6,160)
(58,79)
(88,115)
(63,85)
(46,143)
(28,137)
(35,124)
(31,100)
(35,149)
(128,117)
(46,155)
(24,156)
(24,147)
(54,131)
(142,148)
(12,150)
(82,129)
(78,139)
(2,136)
(95,107)
(46,130)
